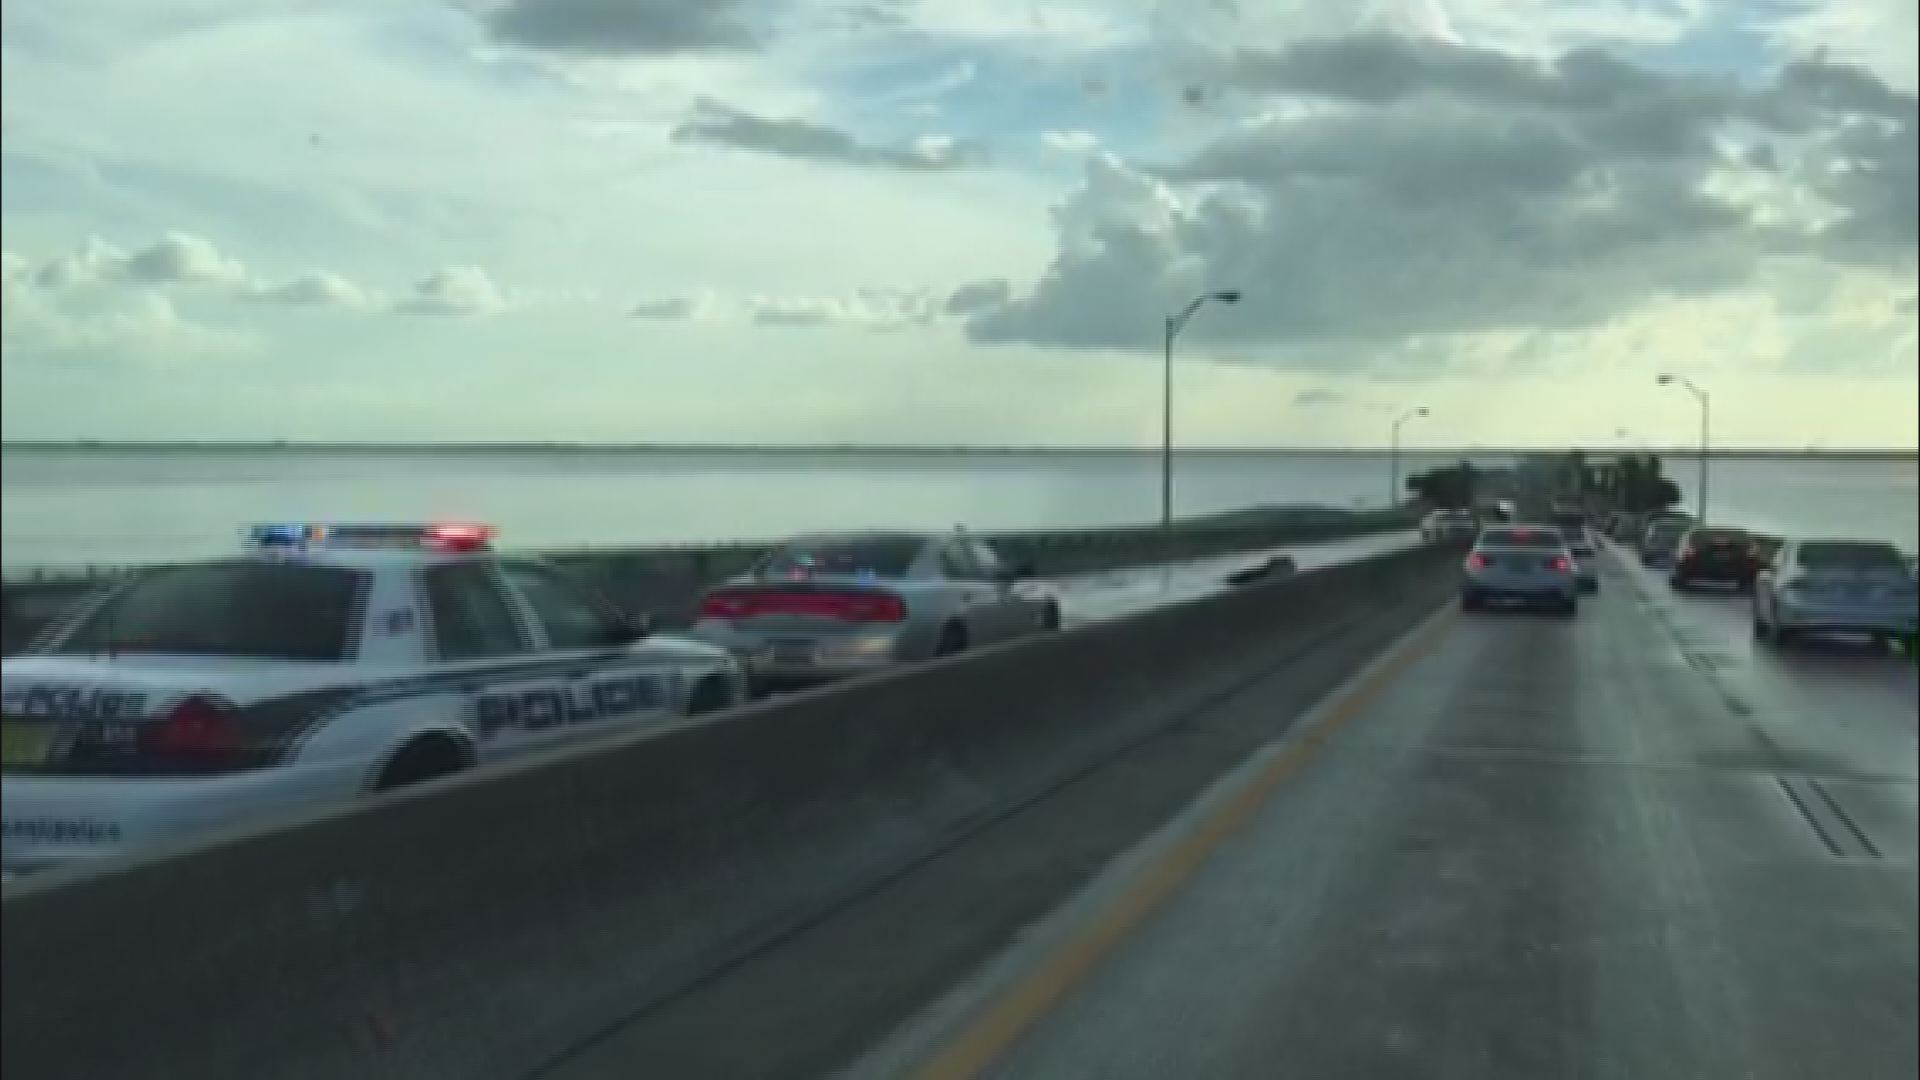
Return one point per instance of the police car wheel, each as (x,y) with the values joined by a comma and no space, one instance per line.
(422,759)
(953,639)
(708,696)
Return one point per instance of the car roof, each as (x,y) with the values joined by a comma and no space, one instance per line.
(883,536)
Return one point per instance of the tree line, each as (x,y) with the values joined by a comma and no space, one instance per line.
(1630,482)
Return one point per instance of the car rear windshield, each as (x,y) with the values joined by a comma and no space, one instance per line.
(1525,538)
(271,611)
(885,556)
(1851,556)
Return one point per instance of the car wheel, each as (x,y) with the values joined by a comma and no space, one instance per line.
(953,640)
(1678,583)
(709,696)
(425,758)
(1570,606)
(1470,602)
(1050,618)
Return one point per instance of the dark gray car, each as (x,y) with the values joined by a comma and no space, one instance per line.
(828,606)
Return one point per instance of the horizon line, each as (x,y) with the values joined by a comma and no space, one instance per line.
(910,448)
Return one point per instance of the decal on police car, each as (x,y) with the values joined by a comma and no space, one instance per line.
(51,701)
(542,707)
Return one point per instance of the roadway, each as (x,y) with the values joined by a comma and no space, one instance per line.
(1632,844)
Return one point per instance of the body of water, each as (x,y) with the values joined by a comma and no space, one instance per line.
(62,507)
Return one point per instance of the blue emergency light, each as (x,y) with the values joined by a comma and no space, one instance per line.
(442,537)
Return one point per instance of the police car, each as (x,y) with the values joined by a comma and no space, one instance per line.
(325,662)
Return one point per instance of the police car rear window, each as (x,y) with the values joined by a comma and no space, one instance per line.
(270,611)
(1855,556)
(885,556)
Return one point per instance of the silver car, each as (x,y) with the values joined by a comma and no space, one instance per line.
(1661,541)
(1442,526)
(1586,560)
(829,606)
(1846,586)
(1521,564)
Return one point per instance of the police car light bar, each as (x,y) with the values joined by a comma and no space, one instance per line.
(442,537)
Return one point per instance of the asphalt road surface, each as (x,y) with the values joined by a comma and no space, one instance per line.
(1632,844)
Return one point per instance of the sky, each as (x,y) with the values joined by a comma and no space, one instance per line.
(960,222)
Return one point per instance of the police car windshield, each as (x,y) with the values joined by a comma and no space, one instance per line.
(1851,556)
(271,611)
(883,555)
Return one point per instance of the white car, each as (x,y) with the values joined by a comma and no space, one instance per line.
(324,663)
(1844,586)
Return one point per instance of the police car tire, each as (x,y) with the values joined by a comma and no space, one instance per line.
(425,758)
(1050,618)
(953,640)
(708,696)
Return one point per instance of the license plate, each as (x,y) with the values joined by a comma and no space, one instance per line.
(25,744)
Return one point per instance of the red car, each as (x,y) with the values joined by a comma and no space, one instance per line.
(1715,554)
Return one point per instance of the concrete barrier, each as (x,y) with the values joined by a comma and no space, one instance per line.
(473,927)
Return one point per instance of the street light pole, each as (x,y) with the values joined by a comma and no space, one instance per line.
(1174,324)
(1393,457)
(1706,411)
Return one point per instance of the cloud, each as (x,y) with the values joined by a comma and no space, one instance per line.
(1444,190)
(319,289)
(180,259)
(456,290)
(667,308)
(111,326)
(1319,397)
(93,260)
(874,309)
(625,27)
(978,296)
(721,124)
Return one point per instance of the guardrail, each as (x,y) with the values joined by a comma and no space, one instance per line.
(473,926)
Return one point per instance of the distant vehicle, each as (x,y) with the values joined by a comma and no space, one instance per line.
(1660,540)
(1520,564)
(328,662)
(828,606)
(1495,510)
(1570,517)
(1586,560)
(1627,528)
(1722,555)
(1446,525)
(1848,586)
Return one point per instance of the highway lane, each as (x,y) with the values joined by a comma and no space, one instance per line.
(1111,594)
(1537,848)
(1863,703)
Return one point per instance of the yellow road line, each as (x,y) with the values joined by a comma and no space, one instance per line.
(988,1035)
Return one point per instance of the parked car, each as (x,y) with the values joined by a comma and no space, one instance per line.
(833,605)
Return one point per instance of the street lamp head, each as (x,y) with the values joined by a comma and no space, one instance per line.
(1227,296)
(1665,380)
(1421,411)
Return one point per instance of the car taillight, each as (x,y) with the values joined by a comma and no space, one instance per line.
(848,606)
(197,729)
(1476,561)
(725,606)
(1561,563)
